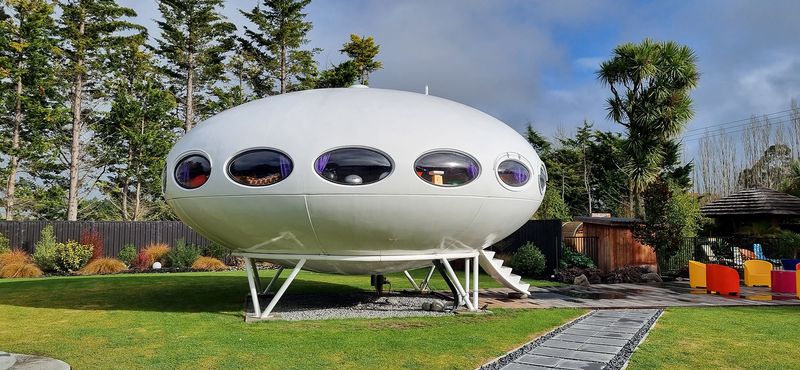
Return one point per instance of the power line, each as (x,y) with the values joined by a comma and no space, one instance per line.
(746,124)
(740,120)
(722,132)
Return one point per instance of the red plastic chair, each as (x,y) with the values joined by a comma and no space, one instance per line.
(722,280)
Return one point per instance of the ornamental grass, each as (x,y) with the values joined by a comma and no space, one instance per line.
(208,264)
(15,256)
(103,265)
(20,270)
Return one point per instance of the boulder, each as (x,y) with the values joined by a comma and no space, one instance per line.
(581,280)
(437,306)
(426,306)
(651,277)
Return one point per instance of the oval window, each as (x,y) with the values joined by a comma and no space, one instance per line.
(542,179)
(513,173)
(446,168)
(353,166)
(192,171)
(260,167)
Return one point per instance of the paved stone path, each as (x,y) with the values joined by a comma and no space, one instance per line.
(589,344)
(606,296)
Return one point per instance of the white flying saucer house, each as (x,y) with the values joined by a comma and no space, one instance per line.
(357,181)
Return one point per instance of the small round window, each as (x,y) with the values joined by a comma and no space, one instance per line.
(260,167)
(542,179)
(353,166)
(513,173)
(192,171)
(446,168)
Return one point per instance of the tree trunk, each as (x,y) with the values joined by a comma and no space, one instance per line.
(189,119)
(283,69)
(586,179)
(14,165)
(138,202)
(74,165)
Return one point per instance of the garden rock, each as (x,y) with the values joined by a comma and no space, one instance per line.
(6,360)
(651,277)
(581,280)
(437,306)
(10,361)
(426,306)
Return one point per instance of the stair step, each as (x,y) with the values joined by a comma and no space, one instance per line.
(505,271)
(489,254)
(514,279)
(524,287)
(498,263)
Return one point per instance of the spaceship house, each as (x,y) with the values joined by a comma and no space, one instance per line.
(357,181)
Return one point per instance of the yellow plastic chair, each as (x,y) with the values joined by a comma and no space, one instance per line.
(697,274)
(757,273)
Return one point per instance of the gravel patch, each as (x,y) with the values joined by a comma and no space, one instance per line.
(509,357)
(620,361)
(349,305)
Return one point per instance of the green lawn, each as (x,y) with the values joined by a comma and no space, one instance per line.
(722,338)
(193,320)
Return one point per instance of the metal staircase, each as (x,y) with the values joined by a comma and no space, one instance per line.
(495,268)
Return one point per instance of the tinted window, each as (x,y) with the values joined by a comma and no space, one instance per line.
(513,173)
(353,166)
(445,168)
(260,167)
(192,172)
(542,179)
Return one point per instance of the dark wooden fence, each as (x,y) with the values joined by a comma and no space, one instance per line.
(545,234)
(586,245)
(116,234)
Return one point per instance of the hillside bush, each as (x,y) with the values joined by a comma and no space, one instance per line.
(157,252)
(127,254)
(528,260)
(143,261)
(184,255)
(208,264)
(103,265)
(72,256)
(45,253)
(14,257)
(95,239)
(216,251)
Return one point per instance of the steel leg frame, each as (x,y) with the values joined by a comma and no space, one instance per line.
(254,286)
(411,280)
(274,279)
(457,284)
(424,285)
(475,281)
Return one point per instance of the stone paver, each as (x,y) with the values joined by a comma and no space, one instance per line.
(589,344)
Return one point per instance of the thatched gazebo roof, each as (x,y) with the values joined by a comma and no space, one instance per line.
(752,202)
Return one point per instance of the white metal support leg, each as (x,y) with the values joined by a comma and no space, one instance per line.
(475,281)
(466,277)
(457,283)
(411,280)
(274,279)
(248,266)
(424,285)
(283,288)
(255,274)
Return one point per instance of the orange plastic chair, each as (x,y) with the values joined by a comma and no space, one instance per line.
(721,280)
(697,274)
(757,273)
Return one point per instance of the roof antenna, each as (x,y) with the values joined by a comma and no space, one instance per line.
(426,89)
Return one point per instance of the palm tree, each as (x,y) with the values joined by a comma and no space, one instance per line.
(650,84)
(791,184)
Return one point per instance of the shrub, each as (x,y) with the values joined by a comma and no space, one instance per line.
(103,265)
(183,255)
(93,238)
(143,260)
(157,252)
(5,244)
(72,256)
(45,253)
(217,251)
(208,264)
(20,270)
(14,257)
(127,254)
(571,258)
(528,260)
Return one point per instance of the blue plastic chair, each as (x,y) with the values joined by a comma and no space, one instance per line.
(759,252)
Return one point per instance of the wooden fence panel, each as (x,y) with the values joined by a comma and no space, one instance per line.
(116,234)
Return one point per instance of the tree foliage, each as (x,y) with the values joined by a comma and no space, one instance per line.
(362,51)
(650,84)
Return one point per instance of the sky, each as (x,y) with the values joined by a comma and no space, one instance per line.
(535,61)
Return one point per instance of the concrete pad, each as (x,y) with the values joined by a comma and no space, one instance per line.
(601,348)
(553,343)
(30,362)
(520,366)
(538,360)
(579,365)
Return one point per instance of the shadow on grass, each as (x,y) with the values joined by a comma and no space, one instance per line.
(162,292)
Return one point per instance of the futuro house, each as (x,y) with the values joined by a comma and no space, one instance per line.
(356,181)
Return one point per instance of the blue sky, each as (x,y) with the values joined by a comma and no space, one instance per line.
(534,61)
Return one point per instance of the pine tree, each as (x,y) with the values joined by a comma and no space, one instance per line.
(89,30)
(137,133)
(27,48)
(193,43)
(341,75)
(362,51)
(275,43)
